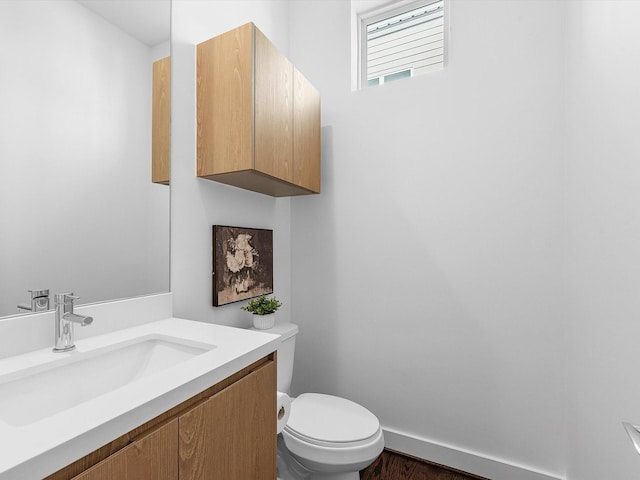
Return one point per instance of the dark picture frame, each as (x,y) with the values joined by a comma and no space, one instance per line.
(242,263)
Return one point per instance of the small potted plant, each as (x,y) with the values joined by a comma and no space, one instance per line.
(263,310)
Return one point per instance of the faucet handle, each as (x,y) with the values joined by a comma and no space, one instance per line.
(39,293)
(65,297)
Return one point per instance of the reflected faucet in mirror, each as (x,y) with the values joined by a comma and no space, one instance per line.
(65,318)
(39,302)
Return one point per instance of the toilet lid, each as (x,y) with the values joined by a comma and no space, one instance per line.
(331,419)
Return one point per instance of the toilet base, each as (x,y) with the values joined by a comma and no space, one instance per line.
(290,469)
(336,476)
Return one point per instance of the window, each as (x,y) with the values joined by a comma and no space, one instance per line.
(401,42)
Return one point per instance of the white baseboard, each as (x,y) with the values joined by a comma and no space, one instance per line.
(463,460)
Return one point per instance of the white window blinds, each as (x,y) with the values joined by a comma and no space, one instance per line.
(405,44)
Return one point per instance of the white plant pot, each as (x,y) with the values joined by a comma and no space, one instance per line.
(264,322)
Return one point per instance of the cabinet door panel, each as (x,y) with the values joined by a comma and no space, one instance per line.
(306,133)
(160,121)
(152,457)
(232,435)
(273,110)
(224,98)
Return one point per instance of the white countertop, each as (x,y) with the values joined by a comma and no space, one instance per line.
(38,449)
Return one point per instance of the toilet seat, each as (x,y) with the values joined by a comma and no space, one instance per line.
(328,433)
(330,421)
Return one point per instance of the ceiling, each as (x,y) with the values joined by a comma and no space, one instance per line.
(146,20)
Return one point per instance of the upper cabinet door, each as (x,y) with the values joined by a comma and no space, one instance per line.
(273,110)
(225,103)
(161,121)
(306,133)
(248,117)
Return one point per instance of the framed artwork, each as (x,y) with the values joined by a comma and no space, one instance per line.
(242,263)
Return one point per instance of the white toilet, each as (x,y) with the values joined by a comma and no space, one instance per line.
(326,437)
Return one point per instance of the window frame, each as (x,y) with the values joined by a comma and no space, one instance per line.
(398,7)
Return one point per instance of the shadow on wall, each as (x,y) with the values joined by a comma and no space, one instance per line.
(314,305)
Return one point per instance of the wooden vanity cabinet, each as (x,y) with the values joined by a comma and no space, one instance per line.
(160,121)
(227,432)
(258,117)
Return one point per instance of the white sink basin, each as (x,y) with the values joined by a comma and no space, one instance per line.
(69,379)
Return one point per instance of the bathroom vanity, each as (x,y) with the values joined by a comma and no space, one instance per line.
(167,399)
(227,431)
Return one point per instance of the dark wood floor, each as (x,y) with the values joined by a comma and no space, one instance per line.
(397,466)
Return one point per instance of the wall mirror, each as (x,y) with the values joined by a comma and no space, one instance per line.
(78,210)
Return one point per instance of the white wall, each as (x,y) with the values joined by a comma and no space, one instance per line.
(197,204)
(427,276)
(77,206)
(468,271)
(603,242)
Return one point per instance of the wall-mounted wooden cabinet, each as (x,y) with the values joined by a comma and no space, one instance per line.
(226,432)
(258,117)
(160,121)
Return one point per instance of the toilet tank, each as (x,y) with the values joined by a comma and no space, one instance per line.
(286,351)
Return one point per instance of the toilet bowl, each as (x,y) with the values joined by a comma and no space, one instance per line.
(332,437)
(326,437)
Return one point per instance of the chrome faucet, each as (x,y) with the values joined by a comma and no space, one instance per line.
(65,318)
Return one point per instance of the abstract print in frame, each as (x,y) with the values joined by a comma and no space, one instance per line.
(242,263)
